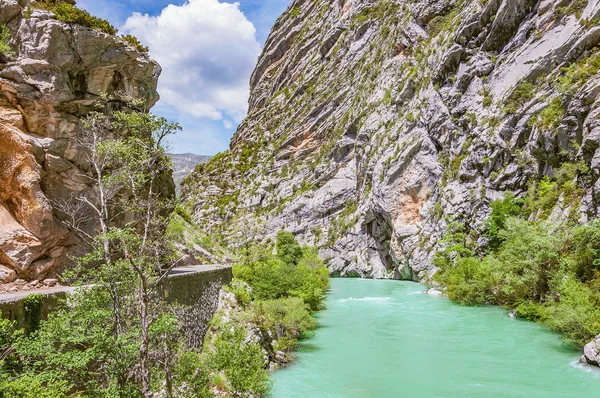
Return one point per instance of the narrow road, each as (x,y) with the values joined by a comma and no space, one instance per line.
(189,269)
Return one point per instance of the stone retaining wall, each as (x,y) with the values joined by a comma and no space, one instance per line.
(197,292)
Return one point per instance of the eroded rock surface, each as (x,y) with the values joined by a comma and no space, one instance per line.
(374,125)
(58,72)
(591,352)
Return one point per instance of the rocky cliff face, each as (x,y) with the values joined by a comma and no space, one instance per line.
(58,73)
(374,125)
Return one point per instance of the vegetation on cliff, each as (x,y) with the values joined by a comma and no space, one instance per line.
(5,47)
(67,11)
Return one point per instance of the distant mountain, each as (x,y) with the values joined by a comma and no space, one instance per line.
(184,164)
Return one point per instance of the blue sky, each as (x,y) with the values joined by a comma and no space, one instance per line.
(208,49)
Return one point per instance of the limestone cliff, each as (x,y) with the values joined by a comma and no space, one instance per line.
(373,125)
(57,73)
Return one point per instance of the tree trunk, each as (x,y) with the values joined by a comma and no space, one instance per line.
(144,365)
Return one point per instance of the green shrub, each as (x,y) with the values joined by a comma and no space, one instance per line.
(32,386)
(530,255)
(501,210)
(288,319)
(134,41)
(547,272)
(576,314)
(190,371)
(241,362)
(288,248)
(551,117)
(470,282)
(586,250)
(443,23)
(5,47)
(66,11)
(522,94)
(531,311)
(33,311)
(579,72)
(294,271)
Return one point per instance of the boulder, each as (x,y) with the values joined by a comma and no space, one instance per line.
(591,352)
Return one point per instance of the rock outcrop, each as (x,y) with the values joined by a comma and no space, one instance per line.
(375,125)
(591,352)
(57,74)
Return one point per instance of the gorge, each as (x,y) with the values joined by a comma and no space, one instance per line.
(441,146)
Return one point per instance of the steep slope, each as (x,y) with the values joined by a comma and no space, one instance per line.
(58,72)
(374,125)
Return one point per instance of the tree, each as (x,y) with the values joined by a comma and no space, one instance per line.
(122,220)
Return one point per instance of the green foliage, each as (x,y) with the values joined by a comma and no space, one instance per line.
(240,362)
(295,12)
(522,94)
(191,373)
(576,8)
(443,23)
(88,358)
(547,272)
(578,73)
(543,195)
(33,310)
(376,11)
(288,248)
(5,38)
(501,210)
(293,272)
(551,117)
(32,386)
(470,282)
(287,318)
(66,11)
(134,41)
(586,251)
(576,314)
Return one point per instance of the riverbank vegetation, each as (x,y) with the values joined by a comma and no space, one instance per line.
(100,343)
(267,308)
(547,271)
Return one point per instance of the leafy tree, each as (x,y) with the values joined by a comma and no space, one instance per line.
(501,210)
(293,271)
(586,247)
(288,248)
(240,361)
(123,338)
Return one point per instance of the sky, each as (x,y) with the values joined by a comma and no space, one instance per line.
(207,49)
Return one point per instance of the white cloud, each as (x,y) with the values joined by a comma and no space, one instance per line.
(207,50)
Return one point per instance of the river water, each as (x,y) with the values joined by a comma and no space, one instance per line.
(387,339)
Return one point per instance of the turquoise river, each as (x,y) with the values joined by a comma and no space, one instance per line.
(387,339)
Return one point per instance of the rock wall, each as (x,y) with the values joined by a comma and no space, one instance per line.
(197,293)
(374,125)
(58,73)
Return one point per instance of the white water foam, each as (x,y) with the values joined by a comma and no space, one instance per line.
(372,299)
(586,368)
